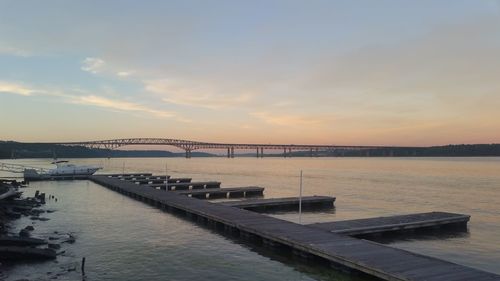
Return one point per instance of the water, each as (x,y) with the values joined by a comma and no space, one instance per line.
(125,239)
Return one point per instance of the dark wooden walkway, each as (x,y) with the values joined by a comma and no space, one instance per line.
(288,203)
(160,181)
(340,250)
(394,223)
(145,177)
(230,192)
(186,185)
(128,175)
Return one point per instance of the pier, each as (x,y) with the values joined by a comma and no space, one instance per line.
(160,181)
(338,250)
(185,185)
(216,193)
(395,224)
(288,203)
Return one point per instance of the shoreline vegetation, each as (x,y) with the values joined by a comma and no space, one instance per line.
(13,150)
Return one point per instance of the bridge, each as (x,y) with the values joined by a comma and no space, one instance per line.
(188,146)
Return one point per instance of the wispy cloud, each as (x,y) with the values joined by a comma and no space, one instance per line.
(17,89)
(195,94)
(124,73)
(93,65)
(14,51)
(85,98)
(118,105)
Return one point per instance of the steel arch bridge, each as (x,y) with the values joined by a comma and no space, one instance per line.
(188,145)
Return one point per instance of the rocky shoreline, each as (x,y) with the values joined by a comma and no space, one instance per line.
(20,247)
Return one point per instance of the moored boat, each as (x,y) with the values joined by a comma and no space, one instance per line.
(63,170)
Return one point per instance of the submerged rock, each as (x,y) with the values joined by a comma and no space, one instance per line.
(29,228)
(24,233)
(54,246)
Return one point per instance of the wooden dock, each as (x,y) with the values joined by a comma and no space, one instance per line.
(145,177)
(186,185)
(279,204)
(160,181)
(394,224)
(340,251)
(128,175)
(230,192)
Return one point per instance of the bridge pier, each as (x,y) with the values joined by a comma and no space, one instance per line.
(232,152)
(258,152)
(284,152)
(261,152)
(228,152)
(188,153)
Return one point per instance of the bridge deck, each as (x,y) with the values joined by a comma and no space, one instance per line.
(371,258)
(393,223)
(288,203)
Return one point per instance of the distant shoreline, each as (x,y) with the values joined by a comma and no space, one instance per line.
(17,150)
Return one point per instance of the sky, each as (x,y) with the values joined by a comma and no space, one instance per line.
(409,73)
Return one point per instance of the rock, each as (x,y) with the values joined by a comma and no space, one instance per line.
(25,253)
(54,246)
(29,228)
(20,241)
(53,238)
(71,239)
(43,219)
(24,233)
(37,211)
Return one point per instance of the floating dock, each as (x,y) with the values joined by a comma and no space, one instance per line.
(129,175)
(160,181)
(288,203)
(394,224)
(340,251)
(217,193)
(186,185)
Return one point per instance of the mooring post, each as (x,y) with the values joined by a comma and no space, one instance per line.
(83,266)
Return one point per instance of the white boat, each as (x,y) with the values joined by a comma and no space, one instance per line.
(63,170)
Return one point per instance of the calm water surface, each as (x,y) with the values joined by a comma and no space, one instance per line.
(124,239)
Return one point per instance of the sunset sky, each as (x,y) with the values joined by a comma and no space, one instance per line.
(270,71)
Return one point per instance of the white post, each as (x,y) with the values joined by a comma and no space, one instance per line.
(300,198)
